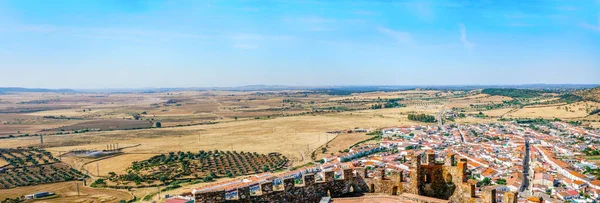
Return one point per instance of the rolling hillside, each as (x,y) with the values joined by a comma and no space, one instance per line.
(590,94)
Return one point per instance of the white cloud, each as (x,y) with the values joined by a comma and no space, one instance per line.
(595,27)
(463,38)
(404,38)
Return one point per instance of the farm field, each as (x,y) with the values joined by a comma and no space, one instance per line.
(493,113)
(33,167)
(107,124)
(450,101)
(67,192)
(292,123)
(340,143)
(479,102)
(116,164)
(287,135)
(576,110)
(205,164)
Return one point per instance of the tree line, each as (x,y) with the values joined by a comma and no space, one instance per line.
(512,92)
(422,117)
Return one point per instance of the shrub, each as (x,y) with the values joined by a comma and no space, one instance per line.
(98,183)
(422,117)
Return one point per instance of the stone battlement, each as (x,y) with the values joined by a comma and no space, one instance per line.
(440,180)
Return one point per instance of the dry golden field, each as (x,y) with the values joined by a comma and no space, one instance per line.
(479,99)
(566,111)
(390,95)
(340,142)
(3,162)
(493,113)
(295,137)
(67,192)
(292,123)
(116,164)
(287,135)
(33,112)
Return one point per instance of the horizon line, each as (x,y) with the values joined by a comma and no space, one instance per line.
(304,86)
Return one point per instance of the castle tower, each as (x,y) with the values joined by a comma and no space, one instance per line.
(510,197)
(416,161)
(462,169)
(489,195)
(348,174)
(382,174)
(450,160)
(430,157)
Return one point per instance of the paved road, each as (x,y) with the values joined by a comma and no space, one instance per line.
(462,137)
(441,115)
(525,183)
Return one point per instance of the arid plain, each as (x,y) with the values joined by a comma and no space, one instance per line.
(301,125)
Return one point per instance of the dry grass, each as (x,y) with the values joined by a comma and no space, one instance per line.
(3,162)
(480,99)
(295,136)
(341,142)
(595,121)
(108,124)
(116,164)
(389,95)
(576,110)
(288,135)
(493,113)
(31,125)
(68,193)
(66,112)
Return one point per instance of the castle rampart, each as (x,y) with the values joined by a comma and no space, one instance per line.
(441,181)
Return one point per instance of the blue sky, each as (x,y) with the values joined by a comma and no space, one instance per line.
(155,43)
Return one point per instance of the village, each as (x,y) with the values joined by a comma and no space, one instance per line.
(539,161)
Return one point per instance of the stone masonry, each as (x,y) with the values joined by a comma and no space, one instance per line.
(443,181)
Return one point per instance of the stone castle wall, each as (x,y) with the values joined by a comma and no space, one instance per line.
(445,181)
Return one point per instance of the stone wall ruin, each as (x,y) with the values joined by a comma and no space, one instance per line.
(441,180)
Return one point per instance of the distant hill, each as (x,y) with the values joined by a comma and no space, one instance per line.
(20,89)
(512,92)
(532,89)
(590,94)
